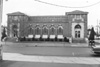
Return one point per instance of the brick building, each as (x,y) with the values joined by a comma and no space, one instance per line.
(72,25)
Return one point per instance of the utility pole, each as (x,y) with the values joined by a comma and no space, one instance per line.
(1,12)
(97,26)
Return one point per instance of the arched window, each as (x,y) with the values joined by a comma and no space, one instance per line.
(77,31)
(14,27)
(45,30)
(37,30)
(60,30)
(77,26)
(30,30)
(52,30)
(14,30)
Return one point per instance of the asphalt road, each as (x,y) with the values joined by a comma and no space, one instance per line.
(50,51)
(35,64)
(47,51)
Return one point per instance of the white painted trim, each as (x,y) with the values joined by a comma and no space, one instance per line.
(37,36)
(81,30)
(30,36)
(60,37)
(44,36)
(52,36)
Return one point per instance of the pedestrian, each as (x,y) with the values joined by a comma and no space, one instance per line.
(3,35)
(92,37)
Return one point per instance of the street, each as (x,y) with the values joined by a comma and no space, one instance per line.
(50,51)
(42,56)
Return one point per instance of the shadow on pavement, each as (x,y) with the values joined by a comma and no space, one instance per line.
(95,55)
(6,63)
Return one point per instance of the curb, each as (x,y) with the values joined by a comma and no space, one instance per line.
(45,44)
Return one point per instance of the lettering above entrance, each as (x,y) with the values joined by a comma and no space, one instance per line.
(78,18)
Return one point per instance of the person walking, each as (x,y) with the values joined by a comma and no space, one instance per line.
(92,37)
(3,35)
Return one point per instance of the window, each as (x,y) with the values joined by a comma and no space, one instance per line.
(14,30)
(77,34)
(52,30)
(21,18)
(60,30)
(10,18)
(30,30)
(14,27)
(37,30)
(16,18)
(45,29)
(77,26)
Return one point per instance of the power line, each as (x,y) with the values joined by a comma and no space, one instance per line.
(67,6)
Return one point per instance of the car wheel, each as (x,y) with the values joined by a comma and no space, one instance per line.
(1,59)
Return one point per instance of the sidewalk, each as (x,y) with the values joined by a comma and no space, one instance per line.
(50,59)
(46,44)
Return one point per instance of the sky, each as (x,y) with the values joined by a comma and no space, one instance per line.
(36,8)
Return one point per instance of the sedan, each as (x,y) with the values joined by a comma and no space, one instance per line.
(96,48)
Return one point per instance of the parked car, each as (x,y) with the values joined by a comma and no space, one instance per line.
(96,48)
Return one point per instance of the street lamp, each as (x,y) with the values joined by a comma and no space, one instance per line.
(1,13)
(1,9)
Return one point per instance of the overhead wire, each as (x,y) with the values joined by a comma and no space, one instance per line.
(67,6)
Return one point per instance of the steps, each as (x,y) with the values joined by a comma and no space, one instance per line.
(78,41)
